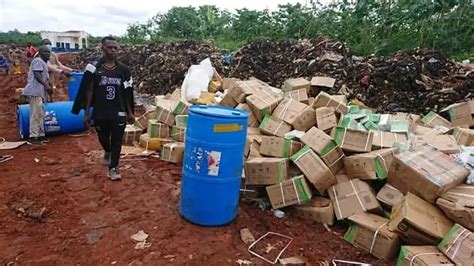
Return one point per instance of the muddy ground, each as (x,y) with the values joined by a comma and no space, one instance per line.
(58,208)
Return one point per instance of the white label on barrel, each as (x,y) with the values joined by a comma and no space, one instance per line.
(51,123)
(213,161)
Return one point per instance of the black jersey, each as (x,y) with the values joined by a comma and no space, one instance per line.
(112,91)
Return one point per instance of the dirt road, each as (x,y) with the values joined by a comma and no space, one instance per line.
(88,220)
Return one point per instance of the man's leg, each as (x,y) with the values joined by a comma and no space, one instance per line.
(36,117)
(103,128)
(118,129)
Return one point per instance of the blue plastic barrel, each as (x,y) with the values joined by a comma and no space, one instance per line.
(212,164)
(73,84)
(58,119)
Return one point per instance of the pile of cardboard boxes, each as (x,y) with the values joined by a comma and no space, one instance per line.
(396,178)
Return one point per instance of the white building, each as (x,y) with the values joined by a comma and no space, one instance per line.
(67,40)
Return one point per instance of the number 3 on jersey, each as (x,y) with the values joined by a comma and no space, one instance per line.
(110,93)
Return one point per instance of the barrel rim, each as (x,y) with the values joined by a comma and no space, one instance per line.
(207,110)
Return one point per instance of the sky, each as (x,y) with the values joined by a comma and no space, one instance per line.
(104,17)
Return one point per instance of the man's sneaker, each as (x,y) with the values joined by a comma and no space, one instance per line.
(44,139)
(114,174)
(106,159)
(35,141)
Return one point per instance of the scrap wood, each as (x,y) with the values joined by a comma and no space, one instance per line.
(279,254)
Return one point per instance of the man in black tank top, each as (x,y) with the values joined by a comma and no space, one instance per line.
(109,92)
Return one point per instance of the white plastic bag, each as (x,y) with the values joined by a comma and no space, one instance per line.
(197,80)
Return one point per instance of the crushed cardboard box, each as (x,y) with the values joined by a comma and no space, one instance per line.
(172,152)
(353,140)
(295,84)
(289,192)
(318,209)
(444,143)
(266,171)
(323,82)
(370,232)
(325,147)
(389,196)
(252,121)
(383,139)
(458,205)
(178,133)
(426,172)
(314,169)
(326,118)
(433,119)
(325,100)
(301,116)
(353,197)
(464,136)
(157,130)
(460,114)
(131,135)
(419,222)
(142,121)
(274,127)
(263,102)
(300,95)
(279,147)
(228,100)
(458,245)
(164,115)
(370,166)
(240,89)
(254,150)
(421,256)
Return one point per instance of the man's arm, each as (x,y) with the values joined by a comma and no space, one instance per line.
(129,97)
(89,95)
(52,68)
(63,67)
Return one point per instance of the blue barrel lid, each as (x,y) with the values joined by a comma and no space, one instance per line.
(219,111)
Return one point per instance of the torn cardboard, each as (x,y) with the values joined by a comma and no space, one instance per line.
(353,140)
(240,89)
(266,171)
(172,152)
(370,166)
(289,192)
(426,172)
(326,118)
(458,245)
(274,127)
(389,196)
(353,197)
(370,232)
(421,256)
(318,209)
(458,205)
(301,116)
(279,147)
(252,121)
(419,222)
(314,169)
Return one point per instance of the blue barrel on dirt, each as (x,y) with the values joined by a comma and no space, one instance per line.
(58,119)
(212,164)
(73,84)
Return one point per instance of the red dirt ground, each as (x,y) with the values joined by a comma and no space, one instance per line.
(81,202)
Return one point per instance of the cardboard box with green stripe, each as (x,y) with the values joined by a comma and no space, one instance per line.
(263,102)
(178,133)
(460,114)
(383,139)
(266,171)
(301,116)
(251,121)
(289,192)
(370,232)
(157,130)
(274,127)
(351,140)
(314,169)
(131,134)
(421,256)
(279,147)
(370,166)
(325,147)
(433,119)
(458,245)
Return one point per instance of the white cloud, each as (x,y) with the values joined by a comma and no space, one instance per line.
(102,17)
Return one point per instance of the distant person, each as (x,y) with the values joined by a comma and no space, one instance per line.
(4,64)
(15,58)
(30,51)
(107,87)
(36,90)
(55,66)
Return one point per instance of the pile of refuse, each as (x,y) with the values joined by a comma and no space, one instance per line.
(158,68)
(404,182)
